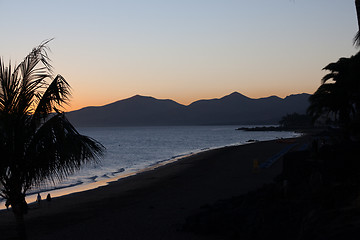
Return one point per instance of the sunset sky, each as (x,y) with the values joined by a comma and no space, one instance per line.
(183,50)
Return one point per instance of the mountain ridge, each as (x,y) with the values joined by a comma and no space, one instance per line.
(234,108)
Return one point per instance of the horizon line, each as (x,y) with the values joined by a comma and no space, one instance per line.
(165,99)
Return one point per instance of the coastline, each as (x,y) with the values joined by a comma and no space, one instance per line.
(81,187)
(84,185)
(146,200)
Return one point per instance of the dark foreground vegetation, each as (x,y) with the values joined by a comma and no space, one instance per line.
(315,197)
(37,143)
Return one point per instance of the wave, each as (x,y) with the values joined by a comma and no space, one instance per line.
(142,148)
(118,171)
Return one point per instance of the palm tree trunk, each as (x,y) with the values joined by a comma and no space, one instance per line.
(19,217)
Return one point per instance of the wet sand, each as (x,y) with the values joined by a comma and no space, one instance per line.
(153,204)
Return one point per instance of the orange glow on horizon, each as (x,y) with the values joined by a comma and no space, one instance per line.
(76,103)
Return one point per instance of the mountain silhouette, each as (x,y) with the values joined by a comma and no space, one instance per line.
(235,109)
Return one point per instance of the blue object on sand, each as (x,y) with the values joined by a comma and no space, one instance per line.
(277,156)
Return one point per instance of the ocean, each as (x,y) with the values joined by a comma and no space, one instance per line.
(132,149)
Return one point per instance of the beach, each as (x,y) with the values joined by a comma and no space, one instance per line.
(153,204)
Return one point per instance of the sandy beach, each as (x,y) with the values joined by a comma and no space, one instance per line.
(153,204)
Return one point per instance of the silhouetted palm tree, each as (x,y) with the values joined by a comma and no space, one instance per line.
(37,142)
(357,36)
(341,96)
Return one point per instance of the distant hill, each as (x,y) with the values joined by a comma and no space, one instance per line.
(235,109)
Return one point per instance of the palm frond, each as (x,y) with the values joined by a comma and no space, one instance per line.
(9,87)
(57,150)
(56,95)
(357,39)
(338,66)
(329,76)
(31,76)
(38,54)
(323,101)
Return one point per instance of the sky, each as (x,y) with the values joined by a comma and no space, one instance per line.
(183,50)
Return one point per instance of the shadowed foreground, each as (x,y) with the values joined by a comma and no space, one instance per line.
(154,204)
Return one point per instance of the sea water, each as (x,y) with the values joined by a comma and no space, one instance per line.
(131,149)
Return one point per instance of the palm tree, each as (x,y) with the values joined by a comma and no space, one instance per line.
(341,96)
(37,142)
(357,36)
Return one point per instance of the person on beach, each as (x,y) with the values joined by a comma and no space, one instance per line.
(7,204)
(48,200)
(38,199)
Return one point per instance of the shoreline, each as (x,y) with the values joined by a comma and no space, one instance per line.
(153,204)
(81,187)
